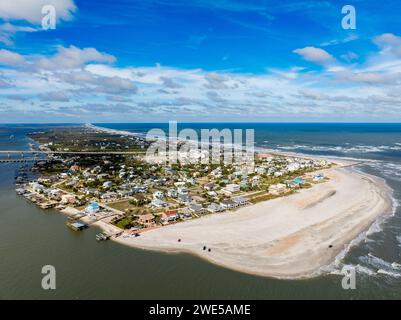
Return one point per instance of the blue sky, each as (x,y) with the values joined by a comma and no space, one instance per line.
(201,60)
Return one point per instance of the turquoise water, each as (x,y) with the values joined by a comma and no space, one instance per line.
(31,237)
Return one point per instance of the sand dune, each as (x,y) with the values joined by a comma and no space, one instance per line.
(289,237)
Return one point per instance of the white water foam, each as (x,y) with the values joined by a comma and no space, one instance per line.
(350,149)
(337,265)
(389,273)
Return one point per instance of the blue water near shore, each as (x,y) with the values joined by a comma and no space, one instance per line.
(86,269)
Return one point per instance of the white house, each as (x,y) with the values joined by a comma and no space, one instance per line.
(214,207)
(158,203)
(293,166)
(107,184)
(158,194)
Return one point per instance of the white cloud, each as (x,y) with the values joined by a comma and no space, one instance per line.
(350,56)
(389,43)
(387,39)
(84,80)
(8,32)
(314,54)
(10,58)
(73,57)
(54,96)
(31,10)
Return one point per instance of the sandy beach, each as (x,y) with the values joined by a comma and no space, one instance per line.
(289,237)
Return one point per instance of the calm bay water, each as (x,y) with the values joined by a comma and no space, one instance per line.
(31,237)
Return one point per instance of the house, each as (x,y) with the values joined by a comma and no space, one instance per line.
(169,215)
(109,195)
(209,186)
(139,189)
(185,213)
(107,184)
(68,199)
(184,198)
(228,204)
(318,178)
(124,193)
(293,167)
(44,180)
(37,187)
(92,208)
(237,173)
(255,181)
(191,181)
(216,173)
(231,188)
(240,201)
(179,184)
(214,207)
(158,203)
(89,191)
(148,220)
(75,168)
(172,193)
(260,170)
(277,189)
(158,194)
(182,190)
(55,193)
(212,194)
(196,208)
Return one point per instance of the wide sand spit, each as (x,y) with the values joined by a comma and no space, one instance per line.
(290,237)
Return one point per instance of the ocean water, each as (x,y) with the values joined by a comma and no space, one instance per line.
(31,237)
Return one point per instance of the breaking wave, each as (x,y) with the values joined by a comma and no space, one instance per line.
(344,149)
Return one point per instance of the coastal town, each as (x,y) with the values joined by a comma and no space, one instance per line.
(133,195)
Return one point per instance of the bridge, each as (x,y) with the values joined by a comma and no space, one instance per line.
(23,152)
(21,160)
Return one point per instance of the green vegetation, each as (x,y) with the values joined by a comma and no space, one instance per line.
(125,223)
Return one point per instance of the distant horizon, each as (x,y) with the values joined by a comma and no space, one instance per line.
(195,122)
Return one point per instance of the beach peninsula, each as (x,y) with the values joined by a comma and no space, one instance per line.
(289,237)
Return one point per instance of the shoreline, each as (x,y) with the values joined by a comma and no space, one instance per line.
(286,250)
